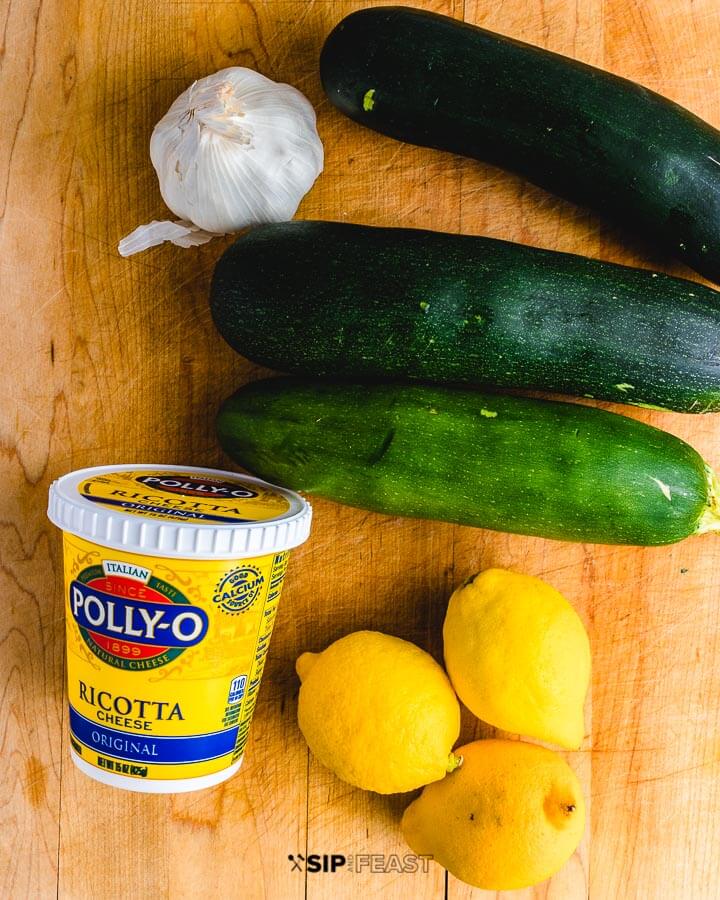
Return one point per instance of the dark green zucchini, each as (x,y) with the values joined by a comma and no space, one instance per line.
(556,470)
(577,131)
(331,299)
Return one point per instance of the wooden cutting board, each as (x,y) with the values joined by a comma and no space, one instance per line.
(105,360)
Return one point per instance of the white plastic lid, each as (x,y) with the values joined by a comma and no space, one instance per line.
(179,511)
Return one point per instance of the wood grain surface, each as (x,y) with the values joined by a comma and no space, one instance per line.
(107,360)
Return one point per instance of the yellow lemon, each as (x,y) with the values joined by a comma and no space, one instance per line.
(509,817)
(519,656)
(379,712)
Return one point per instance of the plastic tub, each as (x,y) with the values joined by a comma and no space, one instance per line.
(172,580)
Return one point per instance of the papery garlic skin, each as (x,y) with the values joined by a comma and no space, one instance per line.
(235,149)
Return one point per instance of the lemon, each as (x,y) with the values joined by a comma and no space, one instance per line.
(519,656)
(379,712)
(509,817)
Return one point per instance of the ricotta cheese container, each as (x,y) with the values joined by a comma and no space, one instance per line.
(173,576)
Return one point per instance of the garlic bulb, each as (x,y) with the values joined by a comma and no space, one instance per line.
(234,149)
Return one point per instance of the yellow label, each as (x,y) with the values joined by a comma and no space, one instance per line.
(185,496)
(164,657)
